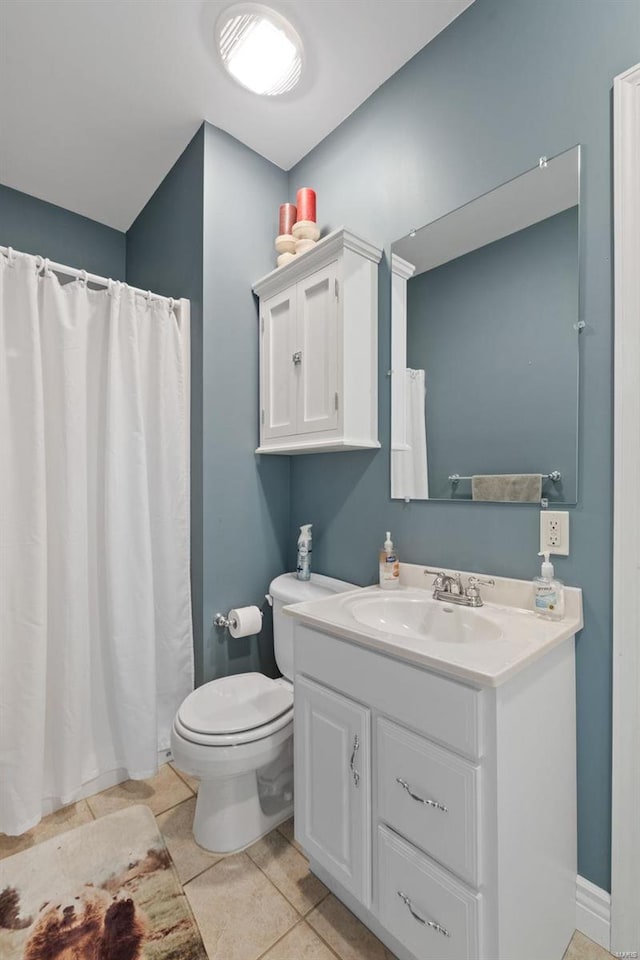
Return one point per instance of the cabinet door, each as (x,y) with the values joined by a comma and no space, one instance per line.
(278,365)
(319,372)
(332,784)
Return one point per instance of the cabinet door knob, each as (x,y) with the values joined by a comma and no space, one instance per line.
(427,923)
(297,357)
(352,762)
(414,796)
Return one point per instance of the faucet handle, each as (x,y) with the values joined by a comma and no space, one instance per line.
(474,581)
(473,593)
(438,583)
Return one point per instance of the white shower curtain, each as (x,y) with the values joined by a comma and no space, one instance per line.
(410,475)
(95,610)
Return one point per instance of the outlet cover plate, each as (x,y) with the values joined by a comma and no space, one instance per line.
(554,532)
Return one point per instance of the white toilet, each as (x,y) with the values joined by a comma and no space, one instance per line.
(236,735)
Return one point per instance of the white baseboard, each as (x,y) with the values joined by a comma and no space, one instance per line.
(593,912)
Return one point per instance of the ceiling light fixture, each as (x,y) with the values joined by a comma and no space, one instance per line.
(260,49)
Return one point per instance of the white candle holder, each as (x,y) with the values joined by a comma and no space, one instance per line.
(285,243)
(306,230)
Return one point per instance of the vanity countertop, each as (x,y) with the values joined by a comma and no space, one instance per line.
(484,646)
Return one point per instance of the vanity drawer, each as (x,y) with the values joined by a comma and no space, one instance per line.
(450,711)
(416,780)
(425,908)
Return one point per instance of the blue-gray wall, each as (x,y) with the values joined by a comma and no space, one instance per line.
(37,227)
(164,254)
(504,84)
(246,498)
(496,332)
(207,234)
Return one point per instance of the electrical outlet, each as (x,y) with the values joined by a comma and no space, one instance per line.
(554,532)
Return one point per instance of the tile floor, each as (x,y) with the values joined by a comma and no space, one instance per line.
(292,915)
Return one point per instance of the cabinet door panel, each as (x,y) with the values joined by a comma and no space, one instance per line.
(332,784)
(278,367)
(317,321)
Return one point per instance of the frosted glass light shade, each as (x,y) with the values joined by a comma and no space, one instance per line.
(260,49)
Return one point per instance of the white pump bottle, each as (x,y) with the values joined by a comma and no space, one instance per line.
(303,566)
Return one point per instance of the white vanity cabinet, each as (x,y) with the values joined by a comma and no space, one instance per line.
(457,841)
(318,349)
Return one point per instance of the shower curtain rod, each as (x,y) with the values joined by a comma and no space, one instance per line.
(83,275)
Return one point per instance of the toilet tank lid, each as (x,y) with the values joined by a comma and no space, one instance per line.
(289,589)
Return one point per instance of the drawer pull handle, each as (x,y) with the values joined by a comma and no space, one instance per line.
(426,923)
(414,796)
(352,762)
(297,358)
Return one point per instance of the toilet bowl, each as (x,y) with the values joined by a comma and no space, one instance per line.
(235,734)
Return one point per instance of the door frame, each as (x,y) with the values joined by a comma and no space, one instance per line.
(625,854)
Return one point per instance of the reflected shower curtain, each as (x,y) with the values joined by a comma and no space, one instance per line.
(410,476)
(95,610)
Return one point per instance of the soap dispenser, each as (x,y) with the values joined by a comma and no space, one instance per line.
(389,565)
(548,592)
(303,566)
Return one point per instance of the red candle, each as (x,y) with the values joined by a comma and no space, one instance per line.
(287,218)
(306,204)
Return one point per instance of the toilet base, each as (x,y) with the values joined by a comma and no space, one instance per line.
(229,815)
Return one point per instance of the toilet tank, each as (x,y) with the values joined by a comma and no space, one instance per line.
(287,589)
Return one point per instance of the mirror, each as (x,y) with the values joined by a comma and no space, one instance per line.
(485,326)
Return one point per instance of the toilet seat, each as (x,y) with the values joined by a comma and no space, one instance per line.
(235,710)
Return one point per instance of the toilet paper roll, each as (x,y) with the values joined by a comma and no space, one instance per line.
(245,621)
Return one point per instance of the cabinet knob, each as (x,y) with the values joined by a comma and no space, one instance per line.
(297,357)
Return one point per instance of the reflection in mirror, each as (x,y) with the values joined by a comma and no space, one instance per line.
(485,329)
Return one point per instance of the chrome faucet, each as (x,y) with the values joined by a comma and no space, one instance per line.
(449,587)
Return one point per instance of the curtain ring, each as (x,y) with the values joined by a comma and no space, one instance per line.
(46,270)
(11,257)
(147,296)
(39,263)
(109,286)
(172,303)
(84,276)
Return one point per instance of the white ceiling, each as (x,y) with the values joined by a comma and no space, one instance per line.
(100,97)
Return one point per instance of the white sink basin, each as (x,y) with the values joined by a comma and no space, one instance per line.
(421,616)
(483,646)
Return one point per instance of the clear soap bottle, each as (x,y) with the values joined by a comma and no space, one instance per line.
(389,565)
(548,593)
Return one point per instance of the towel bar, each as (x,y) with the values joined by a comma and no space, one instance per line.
(554,476)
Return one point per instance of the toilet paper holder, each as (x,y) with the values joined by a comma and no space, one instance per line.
(221,621)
